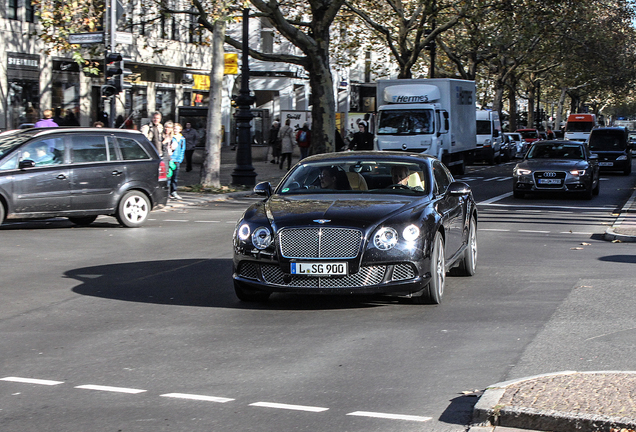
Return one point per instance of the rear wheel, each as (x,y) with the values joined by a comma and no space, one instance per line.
(133,209)
(1,212)
(468,263)
(83,221)
(249,295)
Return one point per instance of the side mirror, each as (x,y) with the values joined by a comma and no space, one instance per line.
(459,188)
(263,189)
(26,163)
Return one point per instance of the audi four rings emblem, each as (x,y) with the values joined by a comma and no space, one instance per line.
(549,174)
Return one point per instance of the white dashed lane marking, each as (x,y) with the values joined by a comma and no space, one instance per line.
(32,381)
(197,397)
(110,389)
(288,407)
(389,416)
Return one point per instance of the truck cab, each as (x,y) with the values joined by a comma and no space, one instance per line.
(488,136)
(579,126)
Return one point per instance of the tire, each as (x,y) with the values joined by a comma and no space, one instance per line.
(518,194)
(468,263)
(435,289)
(628,169)
(597,189)
(249,295)
(133,209)
(2,212)
(83,221)
(589,192)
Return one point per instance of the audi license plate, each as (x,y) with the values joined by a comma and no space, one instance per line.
(606,164)
(319,268)
(549,181)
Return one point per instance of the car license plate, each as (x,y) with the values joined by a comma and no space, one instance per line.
(606,164)
(319,268)
(549,181)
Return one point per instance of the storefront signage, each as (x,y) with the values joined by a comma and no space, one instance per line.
(201,82)
(231,64)
(23,66)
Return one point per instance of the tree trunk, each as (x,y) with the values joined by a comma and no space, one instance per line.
(559,114)
(512,103)
(210,170)
(531,88)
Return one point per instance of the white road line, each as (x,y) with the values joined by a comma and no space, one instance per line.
(207,221)
(576,232)
(289,407)
(197,397)
(32,381)
(230,222)
(504,179)
(390,416)
(535,231)
(110,389)
(493,229)
(494,199)
(176,220)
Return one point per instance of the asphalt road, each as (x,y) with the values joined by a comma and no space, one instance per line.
(111,329)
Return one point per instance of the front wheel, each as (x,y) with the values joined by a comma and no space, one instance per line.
(468,263)
(1,212)
(133,209)
(435,290)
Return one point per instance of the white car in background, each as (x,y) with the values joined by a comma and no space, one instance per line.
(520,143)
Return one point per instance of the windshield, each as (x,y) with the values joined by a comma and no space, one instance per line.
(483,127)
(608,141)
(392,122)
(12,139)
(363,176)
(579,126)
(529,134)
(556,151)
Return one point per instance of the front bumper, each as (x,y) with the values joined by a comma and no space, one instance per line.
(528,183)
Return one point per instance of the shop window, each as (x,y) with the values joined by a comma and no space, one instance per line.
(12,9)
(29,11)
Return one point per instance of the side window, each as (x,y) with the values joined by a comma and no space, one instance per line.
(9,163)
(43,152)
(131,149)
(87,148)
(442,177)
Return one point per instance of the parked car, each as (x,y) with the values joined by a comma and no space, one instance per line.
(349,223)
(80,173)
(521,146)
(612,146)
(529,135)
(508,148)
(632,141)
(557,166)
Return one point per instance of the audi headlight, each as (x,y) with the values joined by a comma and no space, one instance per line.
(622,157)
(243,232)
(386,238)
(411,233)
(522,172)
(577,172)
(261,238)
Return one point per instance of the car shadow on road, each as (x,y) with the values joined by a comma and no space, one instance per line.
(194,282)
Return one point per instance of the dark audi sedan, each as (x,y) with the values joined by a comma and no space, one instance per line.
(80,173)
(357,223)
(557,166)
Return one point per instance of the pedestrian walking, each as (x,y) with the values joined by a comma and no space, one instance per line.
(191,136)
(274,142)
(154,131)
(286,135)
(46,120)
(362,140)
(177,149)
(303,138)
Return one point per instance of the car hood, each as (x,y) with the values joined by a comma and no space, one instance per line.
(553,164)
(337,210)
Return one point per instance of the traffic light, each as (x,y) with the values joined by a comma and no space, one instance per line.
(116,74)
(108,90)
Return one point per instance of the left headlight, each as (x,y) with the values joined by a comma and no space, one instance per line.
(577,172)
(522,172)
(261,238)
(386,238)
(411,233)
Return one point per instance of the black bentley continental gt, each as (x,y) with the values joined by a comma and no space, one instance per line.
(357,223)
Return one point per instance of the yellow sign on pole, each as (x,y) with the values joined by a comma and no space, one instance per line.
(231,64)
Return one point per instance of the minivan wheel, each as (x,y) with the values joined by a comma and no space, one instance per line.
(83,221)
(133,209)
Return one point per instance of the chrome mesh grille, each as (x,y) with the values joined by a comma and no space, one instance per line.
(403,272)
(248,270)
(367,276)
(320,242)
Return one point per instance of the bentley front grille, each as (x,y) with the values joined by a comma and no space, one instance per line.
(341,243)
(367,276)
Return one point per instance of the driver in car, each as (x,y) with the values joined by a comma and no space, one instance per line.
(400,175)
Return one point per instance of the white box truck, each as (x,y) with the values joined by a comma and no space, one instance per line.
(434,116)
(488,136)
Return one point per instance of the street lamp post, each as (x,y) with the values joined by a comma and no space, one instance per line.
(243,173)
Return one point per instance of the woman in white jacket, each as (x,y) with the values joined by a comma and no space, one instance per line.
(286,136)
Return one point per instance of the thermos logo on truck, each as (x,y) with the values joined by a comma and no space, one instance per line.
(410,99)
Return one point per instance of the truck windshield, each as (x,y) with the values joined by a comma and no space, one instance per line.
(579,126)
(483,127)
(406,122)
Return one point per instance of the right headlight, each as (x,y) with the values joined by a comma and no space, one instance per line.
(261,238)
(522,171)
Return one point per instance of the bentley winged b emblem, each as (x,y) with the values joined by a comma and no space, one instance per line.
(322,221)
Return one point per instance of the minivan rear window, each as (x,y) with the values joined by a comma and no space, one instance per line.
(131,149)
(607,140)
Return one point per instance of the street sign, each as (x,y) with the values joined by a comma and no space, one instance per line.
(86,38)
(123,38)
